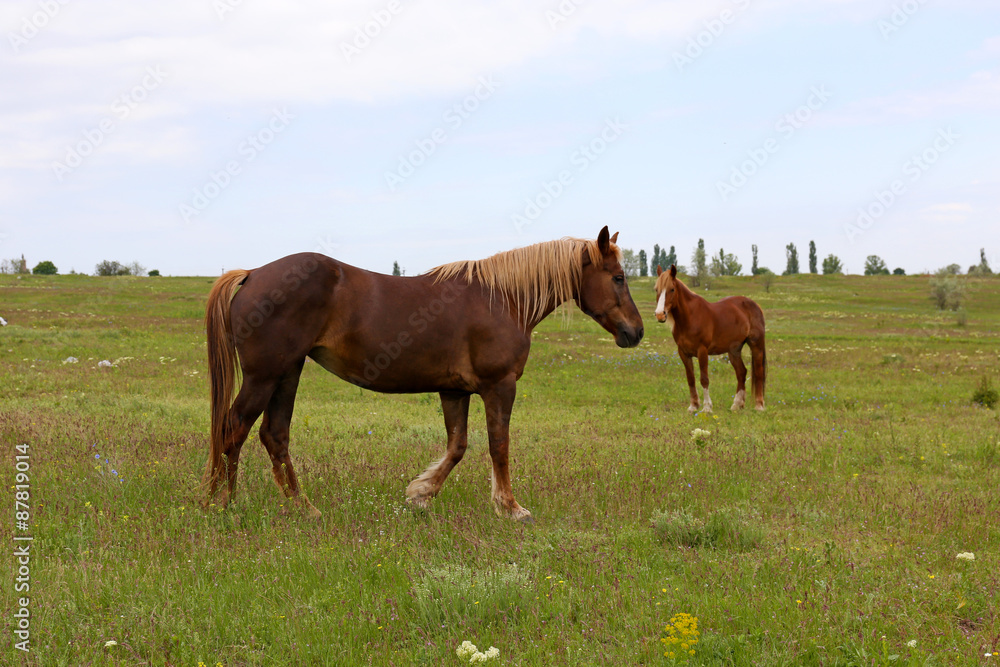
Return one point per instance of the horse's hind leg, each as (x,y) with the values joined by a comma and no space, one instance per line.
(736,359)
(244,412)
(456,420)
(274,430)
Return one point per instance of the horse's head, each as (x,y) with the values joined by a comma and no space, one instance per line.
(604,293)
(666,291)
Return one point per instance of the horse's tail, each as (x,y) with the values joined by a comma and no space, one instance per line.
(758,354)
(223,369)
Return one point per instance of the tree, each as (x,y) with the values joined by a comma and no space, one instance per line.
(832,265)
(670,258)
(812,257)
(726,264)
(643,265)
(630,263)
(983,268)
(45,268)
(791,260)
(699,264)
(899,271)
(110,268)
(951,270)
(136,269)
(14,265)
(874,266)
(657,259)
(753,267)
(395,269)
(154,272)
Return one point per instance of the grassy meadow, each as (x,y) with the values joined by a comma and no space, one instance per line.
(823,531)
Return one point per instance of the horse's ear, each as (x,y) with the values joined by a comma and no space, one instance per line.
(659,270)
(614,239)
(673,270)
(603,241)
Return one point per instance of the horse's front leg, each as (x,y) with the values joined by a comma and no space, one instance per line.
(703,371)
(498,400)
(456,421)
(689,369)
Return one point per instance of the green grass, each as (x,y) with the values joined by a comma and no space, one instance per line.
(821,532)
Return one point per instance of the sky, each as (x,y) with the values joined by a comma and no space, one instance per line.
(203,135)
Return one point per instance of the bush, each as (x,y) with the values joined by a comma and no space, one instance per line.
(45,268)
(154,272)
(985,395)
(947,290)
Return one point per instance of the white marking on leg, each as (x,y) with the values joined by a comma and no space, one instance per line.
(740,399)
(425,487)
(708,401)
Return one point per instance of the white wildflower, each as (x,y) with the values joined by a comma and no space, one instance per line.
(912,643)
(477,657)
(698,434)
(110,643)
(493,652)
(466,649)
(966,555)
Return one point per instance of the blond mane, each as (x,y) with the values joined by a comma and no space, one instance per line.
(533,278)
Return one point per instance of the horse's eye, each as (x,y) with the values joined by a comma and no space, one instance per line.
(619,279)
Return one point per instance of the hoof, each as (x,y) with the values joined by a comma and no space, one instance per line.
(527,519)
(760,408)
(312,512)
(418,503)
(692,409)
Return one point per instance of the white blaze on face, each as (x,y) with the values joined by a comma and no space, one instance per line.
(661,306)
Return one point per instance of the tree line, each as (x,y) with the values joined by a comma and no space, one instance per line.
(18,265)
(704,266)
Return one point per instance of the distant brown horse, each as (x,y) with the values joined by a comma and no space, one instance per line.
(701,329)
(460,329)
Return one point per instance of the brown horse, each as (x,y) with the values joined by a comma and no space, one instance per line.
(701,329)
(460,329)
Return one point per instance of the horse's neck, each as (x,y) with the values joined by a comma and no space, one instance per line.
(531,322)
(685,303)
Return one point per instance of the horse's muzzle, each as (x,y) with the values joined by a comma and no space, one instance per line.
(661,317)
(629,336)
